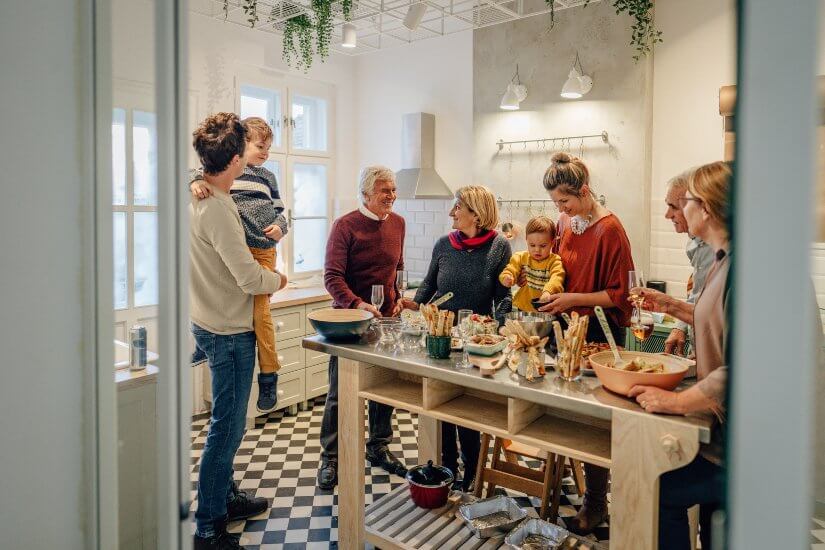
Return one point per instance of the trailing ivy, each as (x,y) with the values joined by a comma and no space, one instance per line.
(250,8)
(297,46)
(346,9)
(323,26)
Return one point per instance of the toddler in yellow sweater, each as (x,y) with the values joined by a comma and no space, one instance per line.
(542,268)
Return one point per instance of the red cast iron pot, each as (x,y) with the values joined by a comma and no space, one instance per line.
(429,485)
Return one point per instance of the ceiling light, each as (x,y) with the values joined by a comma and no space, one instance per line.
(414,15)
(349,35)
(515,94)
(578,83)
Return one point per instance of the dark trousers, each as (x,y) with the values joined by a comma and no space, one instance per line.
(470,446)
(380,420)
(700,482)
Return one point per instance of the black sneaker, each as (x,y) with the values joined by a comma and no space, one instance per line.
(328,475)
(267,392)
(221,540)
(243,506)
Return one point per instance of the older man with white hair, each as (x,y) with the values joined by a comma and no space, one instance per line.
(701,258)
(365,248)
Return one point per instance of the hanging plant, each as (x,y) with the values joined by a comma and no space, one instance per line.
(323,26)
(297,45)
(643,32)
(346,9)
(250,8)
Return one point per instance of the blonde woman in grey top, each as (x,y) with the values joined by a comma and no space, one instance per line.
(705,207)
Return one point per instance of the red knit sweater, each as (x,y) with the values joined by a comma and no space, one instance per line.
(598,259)
(360,253)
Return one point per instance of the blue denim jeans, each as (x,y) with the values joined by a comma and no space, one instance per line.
(700,482)
(231,361)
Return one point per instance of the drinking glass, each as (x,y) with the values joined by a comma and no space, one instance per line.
(377,296)
(636,279)
(401,282)
(463,324)
(641,322)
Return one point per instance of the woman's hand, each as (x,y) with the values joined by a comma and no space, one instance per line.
(274,232)
(283,279)
(561,302)
(369,307)
(656,400)
(675,342)
(199,189)
(406,303)
(507,280)
(653,299)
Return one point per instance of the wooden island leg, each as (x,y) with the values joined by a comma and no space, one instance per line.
(429,440)
(351,457)
(643,447)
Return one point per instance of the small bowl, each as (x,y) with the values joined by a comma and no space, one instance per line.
(537,303)
(340,324)
(486,349)
(620,381)
(438,347)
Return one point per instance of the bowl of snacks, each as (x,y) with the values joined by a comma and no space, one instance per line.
(481,324)
(638,368)
(485,344)
(590,348)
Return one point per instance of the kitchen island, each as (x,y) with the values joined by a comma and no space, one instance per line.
(578,419)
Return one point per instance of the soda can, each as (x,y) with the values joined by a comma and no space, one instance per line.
(137,347)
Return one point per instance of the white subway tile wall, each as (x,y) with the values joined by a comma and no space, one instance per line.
(427,220)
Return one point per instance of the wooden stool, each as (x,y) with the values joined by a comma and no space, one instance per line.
(544,483)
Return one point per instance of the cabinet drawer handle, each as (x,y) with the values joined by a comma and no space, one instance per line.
(280,393)
(280,358)
(279,325)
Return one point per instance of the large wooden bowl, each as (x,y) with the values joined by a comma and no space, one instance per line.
(340,324)
(620,381)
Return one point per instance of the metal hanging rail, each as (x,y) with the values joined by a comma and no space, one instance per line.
(562,139)
(601,199)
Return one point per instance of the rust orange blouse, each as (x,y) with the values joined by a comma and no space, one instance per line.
(598,259)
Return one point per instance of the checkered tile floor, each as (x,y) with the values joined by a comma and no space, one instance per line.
(278,460)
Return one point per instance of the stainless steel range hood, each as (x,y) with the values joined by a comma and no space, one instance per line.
(417,178)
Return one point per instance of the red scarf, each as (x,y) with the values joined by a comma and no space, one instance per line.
(462,242)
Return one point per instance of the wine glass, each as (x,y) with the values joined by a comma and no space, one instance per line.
(377,296)
(642,326)
(463,324)
(401,282)
(636,279)
(641,323)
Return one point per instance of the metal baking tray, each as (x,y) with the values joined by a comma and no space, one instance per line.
(554,534)
(474,514)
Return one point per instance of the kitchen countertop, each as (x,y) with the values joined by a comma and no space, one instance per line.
(298,296)
(585,396)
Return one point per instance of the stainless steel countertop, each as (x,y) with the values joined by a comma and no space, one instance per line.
(585,396)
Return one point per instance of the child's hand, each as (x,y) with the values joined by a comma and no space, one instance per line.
(199,189)
(545,297)
(507,280)
(274,232)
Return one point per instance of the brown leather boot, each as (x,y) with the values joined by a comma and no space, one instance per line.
(594,509)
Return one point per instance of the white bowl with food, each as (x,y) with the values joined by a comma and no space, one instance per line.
(639,368)
(485,344)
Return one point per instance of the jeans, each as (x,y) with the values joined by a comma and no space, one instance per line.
(231,361)
(380,420)
(470,447)
(700,482)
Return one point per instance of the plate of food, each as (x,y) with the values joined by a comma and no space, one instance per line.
(589,349)
(638,368)
(486,344)
(482,324)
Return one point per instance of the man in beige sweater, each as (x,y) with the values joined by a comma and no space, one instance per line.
(224,277)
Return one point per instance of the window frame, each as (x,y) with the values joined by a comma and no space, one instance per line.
(288,87)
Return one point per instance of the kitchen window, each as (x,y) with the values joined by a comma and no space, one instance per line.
(135,221)
(300,113)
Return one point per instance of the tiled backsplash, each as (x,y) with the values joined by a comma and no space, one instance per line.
(427,220)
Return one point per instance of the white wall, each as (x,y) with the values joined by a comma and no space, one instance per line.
(618,103)
(43,323)
(697,57)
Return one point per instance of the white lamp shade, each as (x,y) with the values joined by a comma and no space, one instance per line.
(521,92)
(414,16)
(576,85)
(510,101)
(349,35)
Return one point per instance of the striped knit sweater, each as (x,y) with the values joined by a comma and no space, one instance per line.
(542,276)
(259,203)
